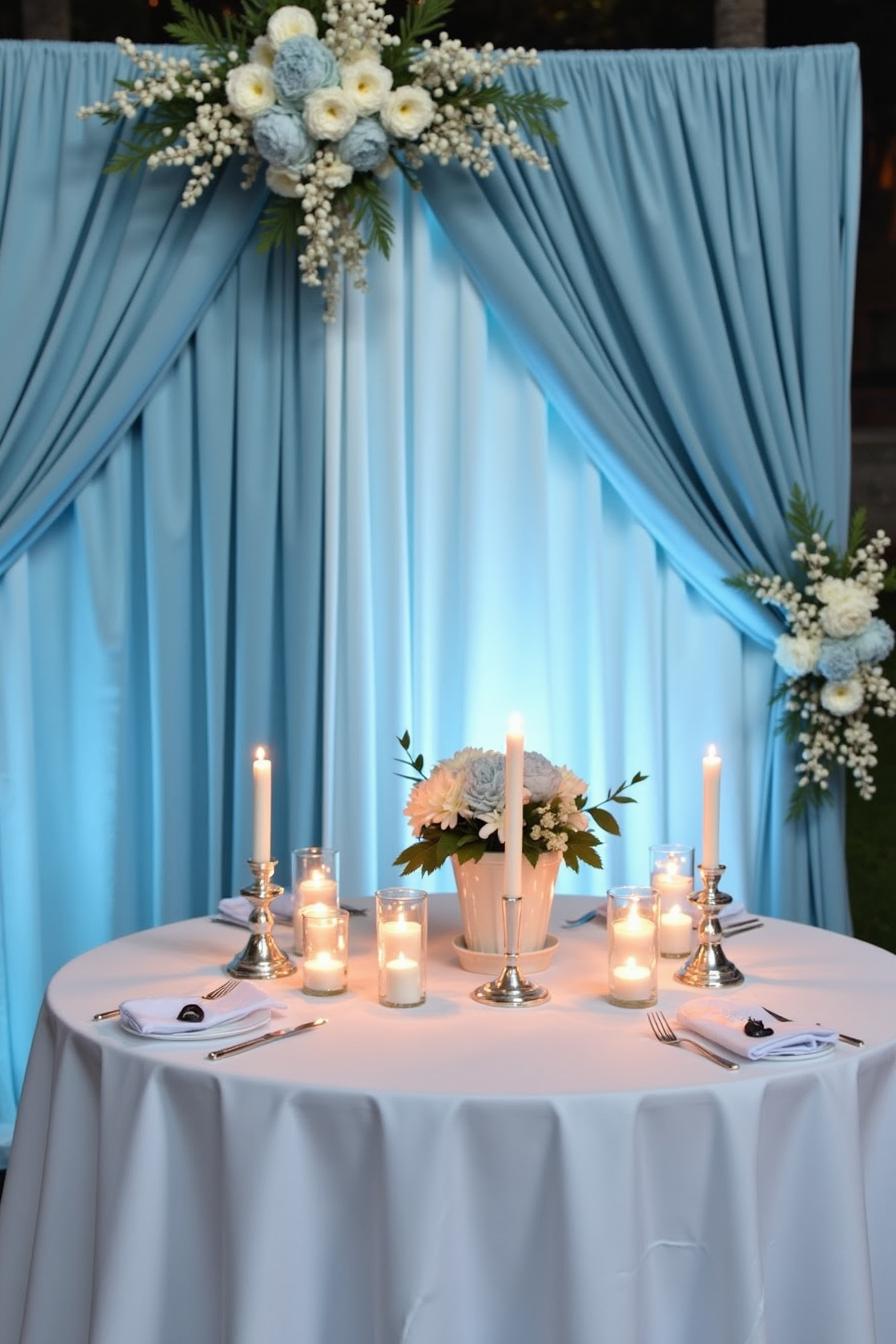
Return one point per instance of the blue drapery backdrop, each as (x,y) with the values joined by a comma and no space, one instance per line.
(222,524)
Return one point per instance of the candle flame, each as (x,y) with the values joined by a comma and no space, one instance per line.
(515,724)
(633,917)
(676,910)
(711,751)
(402,960)
(630,961)
(672,866)
(261,754)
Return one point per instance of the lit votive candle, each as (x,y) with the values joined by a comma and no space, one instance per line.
(634,935)
(675,933)
(403,985)
(323,974)
(672,887)
(401,946)
(630,983)
(401,937)
(318,889)
(325,947)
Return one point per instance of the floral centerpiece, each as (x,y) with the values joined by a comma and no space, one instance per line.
(833,650)
(328,100)
(458,810)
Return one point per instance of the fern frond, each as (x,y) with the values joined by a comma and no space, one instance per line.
(372,214)
(803,518)
(529,107)
(196,28)
(421,19)
(279,222)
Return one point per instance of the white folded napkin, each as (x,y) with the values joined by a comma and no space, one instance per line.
(237,909)
(723,1021)
(158,1016)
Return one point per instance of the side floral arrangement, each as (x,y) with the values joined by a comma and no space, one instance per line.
(458,809)
(329,100)
(833,650)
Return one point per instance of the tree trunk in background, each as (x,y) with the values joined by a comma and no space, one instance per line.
(46,19)
(740,23)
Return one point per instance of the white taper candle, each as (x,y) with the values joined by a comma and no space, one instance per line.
(712,776)
(261,808)
(513,807)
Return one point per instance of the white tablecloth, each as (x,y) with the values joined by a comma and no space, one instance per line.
(454,1174)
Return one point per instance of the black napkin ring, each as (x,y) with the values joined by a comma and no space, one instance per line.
(191,1012)
(756,1027)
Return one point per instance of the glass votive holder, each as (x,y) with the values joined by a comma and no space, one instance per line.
(325,950)
(672,878)
(401,946)
(315,881)
(632,929)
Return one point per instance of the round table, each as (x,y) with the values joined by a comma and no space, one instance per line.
(454,1172)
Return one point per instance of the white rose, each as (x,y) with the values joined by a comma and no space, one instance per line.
(262,52)
(407,111)
(797,654)
(847,609)
(842,697)
(338,174)
(290,21)
(328,114)
(366,84)
(281,181)
(250,90)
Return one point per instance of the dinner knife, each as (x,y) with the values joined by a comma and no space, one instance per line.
(263,1040)
(847,1040)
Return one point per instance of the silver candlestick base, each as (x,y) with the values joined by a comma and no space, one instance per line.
(261,958)
(510,989)
(708,967)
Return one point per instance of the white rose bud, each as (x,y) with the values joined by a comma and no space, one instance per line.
(250,90)
(366,84)
(328,114)
(407,111)
(290,21)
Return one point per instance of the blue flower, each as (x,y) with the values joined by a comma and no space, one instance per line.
(875,643)
(282,139)
(365,145)
(838,659)
(484,783)
(540,777)
(302,65)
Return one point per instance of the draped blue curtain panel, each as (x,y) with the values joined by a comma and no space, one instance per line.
(222,523)
(681,285)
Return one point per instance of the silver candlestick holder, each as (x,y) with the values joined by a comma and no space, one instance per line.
(261,958)
(708,967)
(510,989)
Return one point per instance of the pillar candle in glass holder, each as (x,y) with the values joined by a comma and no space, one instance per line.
(672,874)
(325,950)
(315,876)
(632,946)
(261,806)
(401,946)
(675,932)
(712,777)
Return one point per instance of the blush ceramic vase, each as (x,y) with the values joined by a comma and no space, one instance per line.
(480,887)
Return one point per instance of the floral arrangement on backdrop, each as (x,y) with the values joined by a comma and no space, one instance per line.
(328,100)
(833,651)
(458,809)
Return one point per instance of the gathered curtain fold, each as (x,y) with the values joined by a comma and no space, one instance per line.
(681,286)
(104,278)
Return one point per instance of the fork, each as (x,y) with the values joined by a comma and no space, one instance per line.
(666,1036)
(847,1040)
(217,993)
